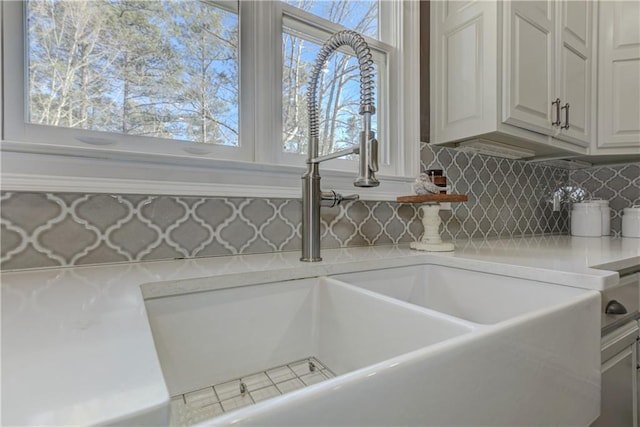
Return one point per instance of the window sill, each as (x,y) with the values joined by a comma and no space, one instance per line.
(42,168)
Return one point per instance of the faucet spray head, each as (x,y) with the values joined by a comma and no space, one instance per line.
(368,153)
(368,162)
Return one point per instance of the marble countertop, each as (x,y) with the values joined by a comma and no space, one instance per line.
(77,347)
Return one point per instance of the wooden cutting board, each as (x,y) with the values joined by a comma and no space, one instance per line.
(424,198)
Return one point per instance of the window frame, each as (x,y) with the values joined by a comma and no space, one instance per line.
(29,163)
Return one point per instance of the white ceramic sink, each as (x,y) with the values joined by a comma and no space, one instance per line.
(424,345)
(211,337)
(478,297)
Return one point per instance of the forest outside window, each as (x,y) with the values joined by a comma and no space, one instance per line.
(192,78)
(165,69)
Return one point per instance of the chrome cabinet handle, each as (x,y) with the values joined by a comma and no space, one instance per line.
(557,104)
(566,116)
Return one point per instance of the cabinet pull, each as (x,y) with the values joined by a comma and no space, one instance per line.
(557,104)
(614,307)
(566,116)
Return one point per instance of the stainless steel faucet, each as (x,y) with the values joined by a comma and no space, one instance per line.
(313,198)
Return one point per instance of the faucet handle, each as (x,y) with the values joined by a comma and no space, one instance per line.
(350,197)
(330,198)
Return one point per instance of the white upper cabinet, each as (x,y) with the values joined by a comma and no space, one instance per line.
(576,83)
(463,69)
(618,78)
(517,73)
(548,81)
(530,66)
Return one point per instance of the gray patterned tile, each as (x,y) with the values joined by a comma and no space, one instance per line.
(630,194)
(103,210)
(259,211)
(371,230)
(506,198)
(608,193)
(68,239)
(215,248)
(394,229)
(191,235)
(631,172)
(603,174)
(620,184)
(29,257)
(30,211)
(134,237)
(617,184)
(329,237)
(579,176)
(292,211)
(358,211)
(238,234)
(11,240)
(279,232)
(214,211)
(164,212)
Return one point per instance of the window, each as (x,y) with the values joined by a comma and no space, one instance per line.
(165,69)
(198,92)
(338,89)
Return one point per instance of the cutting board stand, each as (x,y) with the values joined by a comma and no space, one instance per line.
(430,210)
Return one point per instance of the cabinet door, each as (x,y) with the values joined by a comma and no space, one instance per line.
(574,59)
(529,74)
(463,69)
(619,76)
(619,390)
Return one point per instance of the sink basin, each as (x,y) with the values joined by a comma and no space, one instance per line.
(423,345)
(477,297)
(212,338)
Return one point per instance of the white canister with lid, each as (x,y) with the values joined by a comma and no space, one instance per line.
(631,221)
(606,216)
(586,219)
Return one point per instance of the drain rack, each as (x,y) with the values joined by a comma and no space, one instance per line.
(199,405)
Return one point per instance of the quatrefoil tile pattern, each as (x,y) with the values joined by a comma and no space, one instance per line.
(506,198)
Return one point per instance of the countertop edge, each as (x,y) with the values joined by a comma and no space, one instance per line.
(591,278)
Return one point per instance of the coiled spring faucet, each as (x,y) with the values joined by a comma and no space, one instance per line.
(313,198)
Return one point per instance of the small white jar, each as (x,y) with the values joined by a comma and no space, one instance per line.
(631,222)
(606,216)
(586,219)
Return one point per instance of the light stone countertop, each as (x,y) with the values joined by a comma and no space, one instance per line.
(77,347)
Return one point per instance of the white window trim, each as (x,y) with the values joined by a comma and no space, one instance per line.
(95,168)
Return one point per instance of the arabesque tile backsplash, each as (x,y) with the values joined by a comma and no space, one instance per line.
(618,184)
(506,198)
